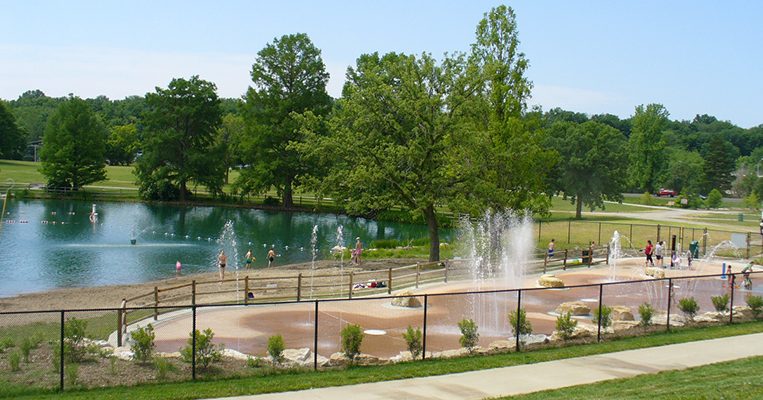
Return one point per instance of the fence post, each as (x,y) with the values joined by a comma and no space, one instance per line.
(61,349)
(299,287)
(731,305)
(564,265)
(569,227)
(704,242)
(601,296)
(607,253)
(193,343)
(193,292)
(389,281)
(156,303)
(630,234)
(748,244)
(540,227)
(417,275)
(445,265)
(350,287)
(599,241)
(590,256)
(246,290)
(315,339)
(119,324)
(670,295)
(658,232)
(545,262)
(424,339)
(516,327)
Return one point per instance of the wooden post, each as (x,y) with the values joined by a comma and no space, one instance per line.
(630,235)
(599,241)
(564,265)
(445,264)
(417,275)
(156,303)
(389,281)
(704,242)
(299,285)
(590,256)
(246,290)
(540,226)
(193,292)
(119,326)
(569,227)
(545,262)
(748,244)
(658,232)
(607,253)
(350,294)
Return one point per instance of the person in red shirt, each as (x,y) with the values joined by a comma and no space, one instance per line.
(648,252)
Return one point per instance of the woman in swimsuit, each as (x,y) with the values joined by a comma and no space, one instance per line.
(249,258)
(222,259)
(271,257)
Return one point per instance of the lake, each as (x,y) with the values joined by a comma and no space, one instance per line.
(47,244)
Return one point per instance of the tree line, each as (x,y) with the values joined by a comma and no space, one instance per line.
(409,131)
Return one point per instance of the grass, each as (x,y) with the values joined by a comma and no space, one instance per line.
(274,381)
(733,379)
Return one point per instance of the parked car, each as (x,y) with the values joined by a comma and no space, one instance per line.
(666,192)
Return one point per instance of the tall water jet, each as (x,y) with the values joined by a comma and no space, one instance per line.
(340,245)
(228,243)
(615,253)
(314,252)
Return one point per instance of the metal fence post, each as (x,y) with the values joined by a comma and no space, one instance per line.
(601,296)
(748,244)
(193,343)
(246,290)
(670,295)
(731,305)
(424,339)
(516,327)
(607,253)
(156,303)
(315,338)
(61,349)
(193,292)
(299,287)
(350,286)
(704,242)
(418,271)
(389,281)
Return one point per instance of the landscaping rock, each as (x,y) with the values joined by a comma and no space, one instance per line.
(742,313)
(550,281)
(123,353)
(174,354)
(621,326)
(577,308)
(622,313)
(403,301)
(236,355)
(297,355)
(453,353)
(502,345)
(655,272)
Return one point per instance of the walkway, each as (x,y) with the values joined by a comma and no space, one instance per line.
(542,376)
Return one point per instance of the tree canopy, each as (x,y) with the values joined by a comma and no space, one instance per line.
(12,141)
(646,145)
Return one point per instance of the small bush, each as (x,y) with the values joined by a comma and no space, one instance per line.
(142,345)
(163,368)
(721,303)
(74,339)
(646,312)
(756,305)
(605,319)
(714,199)
(113,365)
(206,351)
(71,373)
(56,359)
(26,348)
(14,360)
(6,344)
(384,244)
(252,362)
(352,337)
(688,306)
(469,335)
(275,348)
(565,325)
(646,199)
(412,338)
(525,327)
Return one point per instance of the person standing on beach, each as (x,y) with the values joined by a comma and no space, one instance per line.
(358,251)
(222,260)
(178,267)
(271,257)
(249,258)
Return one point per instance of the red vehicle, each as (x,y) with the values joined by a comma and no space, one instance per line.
(666,192)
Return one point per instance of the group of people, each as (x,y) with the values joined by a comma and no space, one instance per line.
(656,252)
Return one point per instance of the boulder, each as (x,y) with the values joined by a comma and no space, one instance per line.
(123,353)
(622,313)
(297,355)
(236,355)
(550,281)
(655,272)
(619,326)
(742,313)
(574,307)
(174,354)
(406,299)
(502,345)
(453,353)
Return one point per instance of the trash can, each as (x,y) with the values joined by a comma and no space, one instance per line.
(740,217)
(694,248)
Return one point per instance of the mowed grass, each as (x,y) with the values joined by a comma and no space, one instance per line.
(738,379)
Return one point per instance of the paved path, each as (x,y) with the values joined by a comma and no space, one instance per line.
(541,376)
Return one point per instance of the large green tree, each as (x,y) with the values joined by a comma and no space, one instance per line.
(289,79)
(122,144)
(12,141)
(73,146)
(593,163)
(720,156)
(683,172)
(646,145)
(179,146)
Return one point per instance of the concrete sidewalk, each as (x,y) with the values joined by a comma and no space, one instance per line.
(541,376)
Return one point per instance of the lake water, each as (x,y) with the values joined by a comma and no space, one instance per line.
(46,244)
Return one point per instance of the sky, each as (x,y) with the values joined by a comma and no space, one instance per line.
(694,57)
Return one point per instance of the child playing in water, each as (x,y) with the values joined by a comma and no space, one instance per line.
(249,258)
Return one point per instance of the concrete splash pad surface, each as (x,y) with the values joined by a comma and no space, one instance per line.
(246,329)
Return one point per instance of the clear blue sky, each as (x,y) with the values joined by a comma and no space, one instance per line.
(695,57)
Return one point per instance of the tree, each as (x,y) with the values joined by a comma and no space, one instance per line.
(289,79)
(11,136)
(179,144)
(720,157)
(73,146)
(646,145)
(122,144)
(684,171)
(230,136)
(593,163)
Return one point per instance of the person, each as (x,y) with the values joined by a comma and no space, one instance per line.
(658,254)
(358,250)
(689,259)
(249,258)
(551,246)
(271,257)
(729,276)
(222,259)
(747,282)
(675,260)
(178,267)
(648,252)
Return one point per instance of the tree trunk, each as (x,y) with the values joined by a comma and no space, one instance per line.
(578,207)
(183,189)
(434,233)
(288,201)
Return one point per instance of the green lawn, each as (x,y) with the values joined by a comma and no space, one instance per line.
(728,380)
(269,381)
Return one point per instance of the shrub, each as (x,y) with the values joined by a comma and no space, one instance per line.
(71,372)
(56,359)
(206,351)
(646,199)
(5,344)
(113,365)
(756,305)
(142,345)
(714,199)
(752,201)
(605,319)
(688,306)
(525,327)
(352,337)
(26,348)
(252,362)
(275,348)
(646,312)
(384,244)
(74,339)
(469,335)
(565,325)
(721,303)
(14,360)
(412,338)
(163,367)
